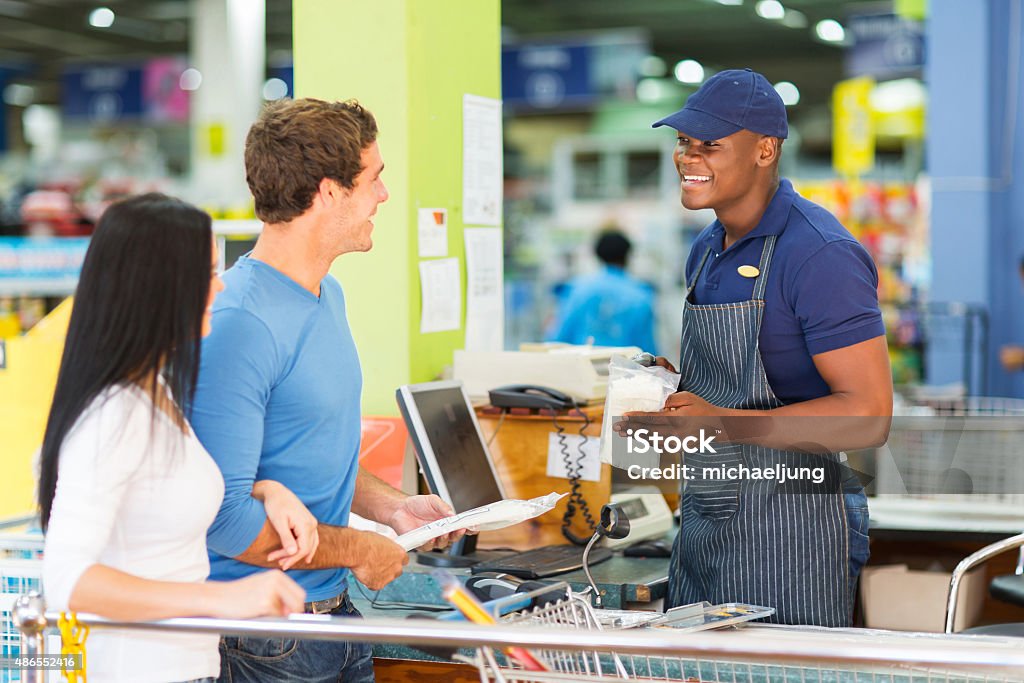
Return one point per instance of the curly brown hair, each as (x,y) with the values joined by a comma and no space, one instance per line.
(294,144)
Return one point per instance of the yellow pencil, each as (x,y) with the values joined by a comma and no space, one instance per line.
(471,609)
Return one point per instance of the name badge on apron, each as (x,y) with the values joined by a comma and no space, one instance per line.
(748,271)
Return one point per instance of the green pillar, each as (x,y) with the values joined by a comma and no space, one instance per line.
(409,62)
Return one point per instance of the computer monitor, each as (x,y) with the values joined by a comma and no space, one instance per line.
(455,462)
(452,454)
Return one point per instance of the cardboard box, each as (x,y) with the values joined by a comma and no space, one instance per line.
(902,599)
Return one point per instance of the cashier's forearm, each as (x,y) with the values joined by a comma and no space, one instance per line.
(833,423)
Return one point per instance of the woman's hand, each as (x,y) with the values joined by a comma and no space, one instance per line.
(270,593)
(295,525)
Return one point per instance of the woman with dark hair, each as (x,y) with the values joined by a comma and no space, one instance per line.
(126,490)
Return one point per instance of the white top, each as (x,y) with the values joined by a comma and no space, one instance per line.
(136,494)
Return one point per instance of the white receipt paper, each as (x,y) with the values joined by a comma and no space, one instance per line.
(484,518)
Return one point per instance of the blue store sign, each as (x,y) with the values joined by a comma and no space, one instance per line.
(884,46)
(102,93)
(572,75)
(546,76)
(41,265)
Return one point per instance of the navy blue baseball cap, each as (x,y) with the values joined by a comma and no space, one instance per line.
(728,102)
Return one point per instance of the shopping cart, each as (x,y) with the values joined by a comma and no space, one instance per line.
(21,570)
(967,450)
(575,612)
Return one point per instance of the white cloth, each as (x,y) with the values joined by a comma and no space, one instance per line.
(136,494)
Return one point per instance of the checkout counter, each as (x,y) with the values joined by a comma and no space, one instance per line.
(624,582)
(517,444)
(757,653)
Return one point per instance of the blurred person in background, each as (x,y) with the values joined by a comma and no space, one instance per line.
(610,307)
(126,490)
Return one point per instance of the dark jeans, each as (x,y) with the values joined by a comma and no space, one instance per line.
(272,660)
(857,518)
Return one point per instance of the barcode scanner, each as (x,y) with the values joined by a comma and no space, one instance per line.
(489,586)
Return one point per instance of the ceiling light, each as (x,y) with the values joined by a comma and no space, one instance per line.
(274,89)
(789,93)
(770,9)
(18,95)
(794,19)
(729,2)
(101,17)
(830,31)
(689,71)
(648,90)
(653,66)
(190,79)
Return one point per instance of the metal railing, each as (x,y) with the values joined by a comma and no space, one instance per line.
(18,521)
(816,647)
(971,562)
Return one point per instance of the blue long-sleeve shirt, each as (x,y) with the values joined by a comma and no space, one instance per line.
(278,398)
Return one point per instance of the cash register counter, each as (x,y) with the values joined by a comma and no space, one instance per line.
(624,582)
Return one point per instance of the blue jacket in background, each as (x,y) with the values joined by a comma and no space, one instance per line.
(608,308)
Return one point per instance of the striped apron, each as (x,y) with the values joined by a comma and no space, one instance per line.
(744,540)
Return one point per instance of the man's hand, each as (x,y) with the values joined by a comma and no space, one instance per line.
(415,511)
(380,560)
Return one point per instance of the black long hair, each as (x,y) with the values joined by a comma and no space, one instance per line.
(138,313)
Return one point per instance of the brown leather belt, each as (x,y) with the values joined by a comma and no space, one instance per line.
(325,605)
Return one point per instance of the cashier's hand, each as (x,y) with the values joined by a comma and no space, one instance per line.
(380,560)
(684,412)
(415,511)
(663,362)
(690,405)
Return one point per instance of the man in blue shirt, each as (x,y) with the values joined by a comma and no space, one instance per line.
(278,395)
(781,321)
(608,308)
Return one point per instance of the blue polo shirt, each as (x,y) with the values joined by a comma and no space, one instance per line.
(822,289)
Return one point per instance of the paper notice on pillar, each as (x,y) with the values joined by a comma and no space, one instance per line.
(579,458)
(481,160)
(485,290)
(442,295)
(433,232)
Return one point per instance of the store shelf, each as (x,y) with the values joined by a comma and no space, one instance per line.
(37,287)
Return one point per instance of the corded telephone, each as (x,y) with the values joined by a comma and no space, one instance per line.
(545,398)
(530,396)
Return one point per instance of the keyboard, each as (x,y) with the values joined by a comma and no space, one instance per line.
(542,562)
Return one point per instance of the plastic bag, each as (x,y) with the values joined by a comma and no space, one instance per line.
(632,386)
(484,518)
